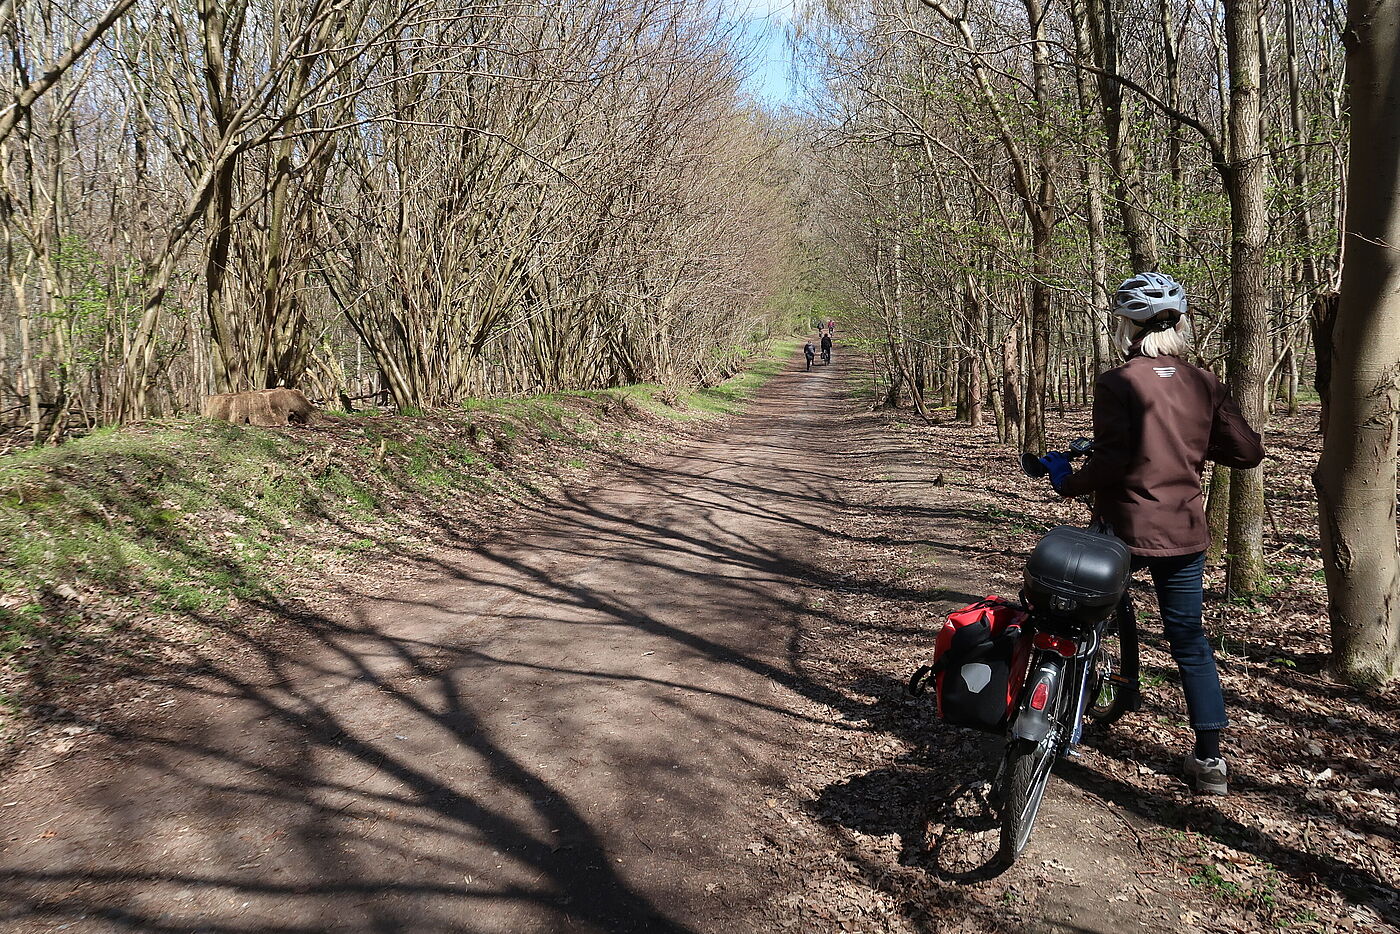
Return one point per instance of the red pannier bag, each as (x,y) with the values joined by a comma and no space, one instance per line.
(979,664)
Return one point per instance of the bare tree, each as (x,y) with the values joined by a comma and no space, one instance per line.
(1356,478)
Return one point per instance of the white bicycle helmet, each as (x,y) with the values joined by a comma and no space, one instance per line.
(1150,297)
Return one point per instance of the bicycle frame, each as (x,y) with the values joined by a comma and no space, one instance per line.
(1058,671)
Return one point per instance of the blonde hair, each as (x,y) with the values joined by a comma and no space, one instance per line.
(1173,343)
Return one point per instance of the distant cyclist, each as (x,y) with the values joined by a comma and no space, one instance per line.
(811,353)
(1157,420)
(826,346)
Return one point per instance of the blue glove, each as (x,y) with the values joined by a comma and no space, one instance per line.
(1058,466)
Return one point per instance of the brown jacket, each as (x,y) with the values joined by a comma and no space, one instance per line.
(1157,420)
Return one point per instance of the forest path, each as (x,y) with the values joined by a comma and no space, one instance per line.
(589,723)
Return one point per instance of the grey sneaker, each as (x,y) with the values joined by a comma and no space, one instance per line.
(1207,776)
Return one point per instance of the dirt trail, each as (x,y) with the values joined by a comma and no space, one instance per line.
(584,724)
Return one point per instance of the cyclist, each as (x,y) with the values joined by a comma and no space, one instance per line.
(826,346)
(1157,419)
(811,353)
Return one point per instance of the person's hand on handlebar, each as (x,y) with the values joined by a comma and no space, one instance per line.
(1057,465)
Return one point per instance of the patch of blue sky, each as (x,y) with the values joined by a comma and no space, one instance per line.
(764,25)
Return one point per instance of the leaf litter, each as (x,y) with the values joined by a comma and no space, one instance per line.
(886,824)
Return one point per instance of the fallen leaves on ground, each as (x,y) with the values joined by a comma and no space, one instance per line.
(887,821)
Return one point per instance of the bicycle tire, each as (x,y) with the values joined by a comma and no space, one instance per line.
(1116,669)
(1025,775)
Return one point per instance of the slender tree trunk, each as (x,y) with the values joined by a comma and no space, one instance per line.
(1171,61)
(1356,477)
(1297,122)
(225,336)
(975,316)
(1011,385)
(28,371)
(947,386)
(994,392)
(1322,320)
(1218,513)
(1038,324)
(1040,206)
(896,384)
(1249,332)
(1127,187)
(1292,394)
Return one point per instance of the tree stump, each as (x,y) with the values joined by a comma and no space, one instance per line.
(265,408)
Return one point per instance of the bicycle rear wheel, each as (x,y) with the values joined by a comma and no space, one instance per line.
(1114,690)
(1025,773)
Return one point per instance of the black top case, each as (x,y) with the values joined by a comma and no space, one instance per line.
(1076,577)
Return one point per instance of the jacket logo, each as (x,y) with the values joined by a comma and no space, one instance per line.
(1166,372)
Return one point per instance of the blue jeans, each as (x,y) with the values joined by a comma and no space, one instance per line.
(1179,597)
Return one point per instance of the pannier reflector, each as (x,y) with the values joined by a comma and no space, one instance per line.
(1040,696)
(976,676)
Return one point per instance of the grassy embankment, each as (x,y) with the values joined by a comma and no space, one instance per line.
(129,544)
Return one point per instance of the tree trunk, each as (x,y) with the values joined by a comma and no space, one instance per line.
(1249,332)
(1218,513)
(994,393)
(1033,439)
(1356,477)
(1298,124)
(1171,61)
(1127,188)
(1040,207)
(947,386)
(1322,320)
(1011,385)
(1292,395)
(27,368)
(974,316)
(896,383)
(225,335)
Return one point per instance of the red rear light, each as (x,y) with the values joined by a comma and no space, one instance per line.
(1051,643)
(1040,696)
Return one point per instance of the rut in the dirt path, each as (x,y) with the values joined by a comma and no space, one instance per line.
(571,726)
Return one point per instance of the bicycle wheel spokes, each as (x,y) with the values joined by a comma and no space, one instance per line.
(1107,664)
(1114,690)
